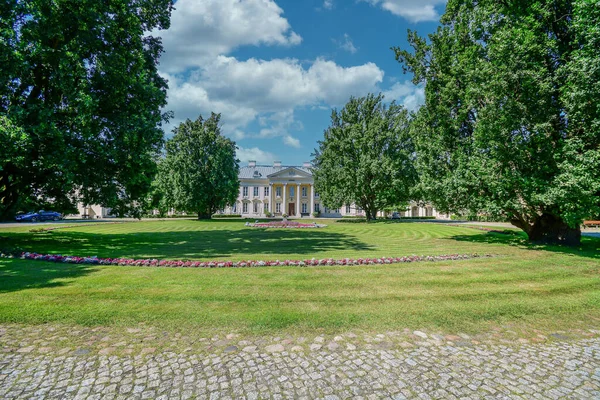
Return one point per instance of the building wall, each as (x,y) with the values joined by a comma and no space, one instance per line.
(93,211)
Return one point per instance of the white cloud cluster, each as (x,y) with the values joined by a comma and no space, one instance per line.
(412,10)
(204,77)
(255,154)
(346,44)
(406,93)
(203,29)
(270,90)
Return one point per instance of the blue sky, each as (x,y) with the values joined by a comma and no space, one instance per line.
(274,69)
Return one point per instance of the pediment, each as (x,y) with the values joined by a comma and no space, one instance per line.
(290,172)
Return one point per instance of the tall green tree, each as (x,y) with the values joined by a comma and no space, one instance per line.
(200,171)
(79,79)
(511,121)
(366,156)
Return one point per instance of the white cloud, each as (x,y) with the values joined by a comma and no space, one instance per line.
(346,44)
(203,29)
(409,95)
(266,91)
(328,4)
(291,141)
(203,78)
(412,10)
(256,154)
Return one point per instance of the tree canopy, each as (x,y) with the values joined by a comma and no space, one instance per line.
(200,171)
(79,88)
(366,156)
(511,121)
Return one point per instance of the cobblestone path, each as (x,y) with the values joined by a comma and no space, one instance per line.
(552,370)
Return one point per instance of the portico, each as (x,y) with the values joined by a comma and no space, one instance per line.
(290,193)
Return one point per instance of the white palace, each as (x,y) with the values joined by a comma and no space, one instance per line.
(279,189)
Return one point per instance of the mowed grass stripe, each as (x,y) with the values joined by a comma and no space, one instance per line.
(455,295)
(213,240)
(534,287)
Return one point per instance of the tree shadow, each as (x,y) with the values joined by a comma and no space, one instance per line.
(16,274)
(207,244)
(589,247)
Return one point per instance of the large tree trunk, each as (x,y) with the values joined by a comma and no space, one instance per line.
(370,213)
(550,229)
(204,215)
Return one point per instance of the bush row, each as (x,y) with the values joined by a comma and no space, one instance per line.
(477,218)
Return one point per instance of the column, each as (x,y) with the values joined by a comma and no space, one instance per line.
(312,198)
(284,206)
(298,197)
(271,198)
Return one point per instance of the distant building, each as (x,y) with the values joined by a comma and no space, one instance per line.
(280,189)
(94,211)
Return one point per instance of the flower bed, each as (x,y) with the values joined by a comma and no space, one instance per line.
(284,224)
(234,264)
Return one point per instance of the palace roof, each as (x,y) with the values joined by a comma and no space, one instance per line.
(263,171)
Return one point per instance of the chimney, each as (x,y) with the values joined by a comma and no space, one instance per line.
(277,163)
(252,163)
(307,164)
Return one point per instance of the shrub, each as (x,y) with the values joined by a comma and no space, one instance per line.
(354,220)
(268,214)
(316,214)
(227,216)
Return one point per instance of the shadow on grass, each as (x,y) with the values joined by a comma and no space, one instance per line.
(18,275)
(589,247)
(211,244)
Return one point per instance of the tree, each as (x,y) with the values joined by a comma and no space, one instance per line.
(200,171)
(79,78)
(366,156)
(511,122)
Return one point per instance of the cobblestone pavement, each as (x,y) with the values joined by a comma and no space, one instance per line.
(328,368)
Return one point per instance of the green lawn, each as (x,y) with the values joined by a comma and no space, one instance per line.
(528,287)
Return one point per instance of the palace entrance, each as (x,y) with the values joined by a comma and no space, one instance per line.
(291,209)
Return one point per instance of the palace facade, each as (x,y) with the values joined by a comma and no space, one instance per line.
(279,189)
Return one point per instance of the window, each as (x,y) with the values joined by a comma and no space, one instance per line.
(347,208)
(255,208)
(278,191)
(303,191)
(316,194)
(317,209)
(245,208)
(234,209)
(266,191)
(245,191)
(278,207)
(292,191)
(304,207)
(266,208)
(255,191)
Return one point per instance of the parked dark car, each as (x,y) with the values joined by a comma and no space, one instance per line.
(38,216)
